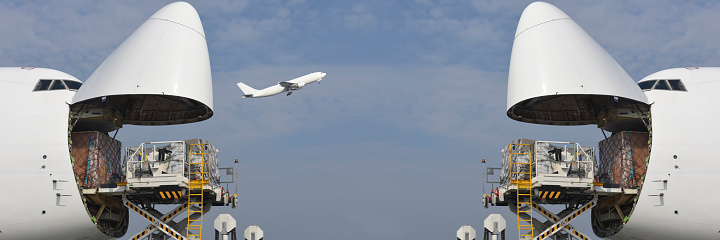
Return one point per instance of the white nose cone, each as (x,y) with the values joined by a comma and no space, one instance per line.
(559,75)
(160,75)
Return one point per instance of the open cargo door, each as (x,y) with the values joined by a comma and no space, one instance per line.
(559,75)
(160,75)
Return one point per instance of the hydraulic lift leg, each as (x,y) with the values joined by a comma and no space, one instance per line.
(153,220)
(564,222)
(554,219)
(165,219)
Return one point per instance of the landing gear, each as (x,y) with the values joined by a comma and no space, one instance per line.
(288,94)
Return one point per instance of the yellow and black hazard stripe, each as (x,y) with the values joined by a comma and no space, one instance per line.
(551,230)
(142,213)
(172,232)
(174,212)
(152,219)
(549,194)
(170,194)
(164,219)
(140,235)
(546,213)
(577,234)
(556,226)
(583,209)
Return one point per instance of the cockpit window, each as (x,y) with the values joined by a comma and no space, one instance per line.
(647,85)
(677,85)
(57,84)
(73,85)
(662,84)
(42,85)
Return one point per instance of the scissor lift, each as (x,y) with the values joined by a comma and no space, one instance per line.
(156,223)
(565,175)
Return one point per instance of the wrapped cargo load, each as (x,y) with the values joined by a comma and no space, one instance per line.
(172,153)
(623,158)
(96,158)
(507,158)
(171,158)
(213,171)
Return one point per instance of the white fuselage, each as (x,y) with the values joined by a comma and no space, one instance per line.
(684,139)
(39,192)
(309,78)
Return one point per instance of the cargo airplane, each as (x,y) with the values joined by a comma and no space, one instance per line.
(286,86)
(160,75)
(559,75)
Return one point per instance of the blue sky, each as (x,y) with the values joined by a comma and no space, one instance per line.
(389,145)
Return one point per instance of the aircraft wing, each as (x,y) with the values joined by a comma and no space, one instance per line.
(288,84)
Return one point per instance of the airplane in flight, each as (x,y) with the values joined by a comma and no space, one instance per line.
(286,86)
(559,75)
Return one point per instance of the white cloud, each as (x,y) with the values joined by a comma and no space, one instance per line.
(296,2)
(249,33)
(463,31)
(649,36)
(53,33)
(220,8)
(360,18)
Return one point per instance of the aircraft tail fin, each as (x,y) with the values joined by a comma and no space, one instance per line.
(247,90)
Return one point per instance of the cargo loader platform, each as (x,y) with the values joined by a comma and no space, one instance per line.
(182,173)
(536,173)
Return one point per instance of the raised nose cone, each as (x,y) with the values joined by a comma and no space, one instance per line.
(160,75)
(537,13)
(182,13)
(559,75)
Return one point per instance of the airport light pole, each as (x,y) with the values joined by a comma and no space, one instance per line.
(484,176)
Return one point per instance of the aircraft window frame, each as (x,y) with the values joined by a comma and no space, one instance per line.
(43,87)
(76,83)
(664,83)
(61,85)
(679,86)
(57,84)
(670,85)
(647,88)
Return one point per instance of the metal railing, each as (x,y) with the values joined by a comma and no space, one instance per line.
(580,160)
(161,156)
